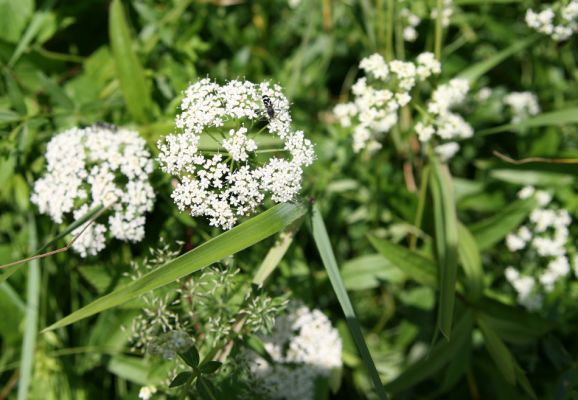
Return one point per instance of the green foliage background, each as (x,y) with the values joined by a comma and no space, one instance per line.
(67,64)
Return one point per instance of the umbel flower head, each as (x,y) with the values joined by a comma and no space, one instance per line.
(380,94)
(97,166)
(233,178)
(304,347)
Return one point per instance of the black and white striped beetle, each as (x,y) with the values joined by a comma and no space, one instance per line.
(268,106)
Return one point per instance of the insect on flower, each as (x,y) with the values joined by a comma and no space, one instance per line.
(268,106)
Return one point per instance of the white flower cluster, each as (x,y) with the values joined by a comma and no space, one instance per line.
(447,12)
(304,346)
(558,21)
(410,22)
(379,95)
(229,182)
(146,392)
(442,121)
(546,240)
(522,105)
(97,166)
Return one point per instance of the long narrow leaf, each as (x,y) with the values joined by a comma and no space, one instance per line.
(471,262)
(495,228)
(131,75)
(498,350)
(552,118)
(326,252)
(230,242)
(477,70)
(441,355)
(446,240)
(415,266)
(31,318)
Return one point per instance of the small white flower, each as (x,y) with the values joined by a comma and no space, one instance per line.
(232,182)
(97,166)
(146,392)
(447,150)
(522,105)
(558,21)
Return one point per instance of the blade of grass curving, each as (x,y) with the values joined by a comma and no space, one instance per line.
(472,264)
(552,118)
(133,83)
(495,228)
(227,243)
(31,317)
(446,241)
(328,257)
(415,266)
(440,355)
(477,70)
(276,253)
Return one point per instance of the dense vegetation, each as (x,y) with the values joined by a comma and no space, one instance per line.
(281,199)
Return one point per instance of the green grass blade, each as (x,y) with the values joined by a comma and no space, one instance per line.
(446,240)
(31,317)
(498,350)
(441,355)
(133,84)
(471,262)
(227,243)
(481,68)
(495,228)
(328,257)
(553,118)
(415,266)
(276,253)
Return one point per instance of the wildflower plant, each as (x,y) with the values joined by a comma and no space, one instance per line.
(558,20)
(235,178)
(545,251)
(98,166)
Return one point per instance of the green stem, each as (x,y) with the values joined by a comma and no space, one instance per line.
(389,51)
(420,205)
(439,30)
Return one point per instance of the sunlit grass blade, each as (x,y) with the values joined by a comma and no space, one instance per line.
(328,257)
(31,317)
(567,116)
(481,68)
(441,355)
(227,243)
(133,83)
(415,266)
(495,228)
(446,241)
(471,262)
(276,253)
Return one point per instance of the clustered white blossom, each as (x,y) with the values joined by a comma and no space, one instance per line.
(304,346)
(545,240)
(559,21)
(522,105)
(410,22)
(228,183)
(444,123)
(146,392)
(379,95)
(447,12)
(97,166)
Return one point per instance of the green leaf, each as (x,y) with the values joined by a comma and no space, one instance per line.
(7,116)
(210,366)
(481,68)
(133,84)
(495,228)
(367,272)
(415,266)
(446,240)
(498,350)
(440,355)
(255,343)
(533,178)
(14,15)
(471,262)
(567,116)
(191,357)
(181,379)
(328,257)
(31,317)
(227,243)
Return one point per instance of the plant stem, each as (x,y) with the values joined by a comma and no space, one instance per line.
(420,205)
(389,50)
(439,30)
